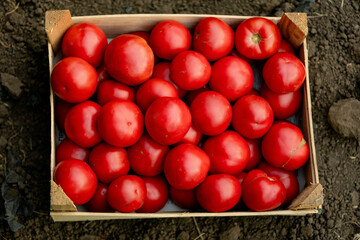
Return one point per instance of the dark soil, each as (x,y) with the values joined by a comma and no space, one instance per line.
(334,42)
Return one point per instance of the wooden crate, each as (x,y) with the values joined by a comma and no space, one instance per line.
(293,26)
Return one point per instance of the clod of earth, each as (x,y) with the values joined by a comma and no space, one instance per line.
(12,84)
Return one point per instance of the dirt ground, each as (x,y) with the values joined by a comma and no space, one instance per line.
(334,54)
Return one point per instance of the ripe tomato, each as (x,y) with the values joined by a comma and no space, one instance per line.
(109,90)
(186,166)
(284,105)
(81,124)
(252,116)
(147,156)
(232,77)
(285,46)
(261,192)
(211,113)
(213,37)
(162,71)
(287,178)
(142,34)
(253,92)
(284,73)
(98,202)
(168,38)
(191,95)
(151,90)
(73,79)
(126,193)
(102,74)
(61,109)
(185,199)
(235,53)
(228,152)
(240,205)
(257,38)
(167,120)
(156,194)
(218,193)
(255,153)
(193,136)
(86,41)
(285,147)
(129,60)
(190,70)
(121,123)
(77,180)
(69,150)
(108,162)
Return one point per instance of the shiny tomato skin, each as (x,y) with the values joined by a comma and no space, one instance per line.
(167,120)
(76,179)
(169,38)
(284,105)
(213,38)
(253,92)
(121,123)
(127,193)
(153,89)
(156,194)
(218,192)
(257,38)
(228,152)
(185,199)
(109,90)
(147,156)
(193,136)
(102,74)
(98,202)
(287,178)
(211,113)
(284,146)
(61,109)
(190,70)
(186,166)
(142,34)
(284,73)
(255,153)
(191,95)
(86,41)
(108,162)
(252,116)
(69,150)
(73,80)
(261,192)
(235,53)
(81,124)
(129,59)
(232,77)
(285,46)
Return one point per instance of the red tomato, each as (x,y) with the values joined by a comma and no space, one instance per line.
(285,147)
(232,77)
(284,105)
(69,150)
(285,46)
(142,34)
(213,37)
(147,156)
(129,60)
(218,193)
(240,205)
(162,71)
(81,124)
(86,41)
(253,92)
(255,153)
(73,79)
(287,178)
(193,136)
(151,90)
(235,53)
(126,193)
(211,113)
(186,166)
(98,202)
(109,90)
(168,38)
(185,199)
(190,70)
(257,38)
(241,177)
(61,109)
(252,116)
(191,95)
(167,120)
(262,193)
(156,194)
(108,162)
(77,180)
(284,73)
(102,74)
(228,152)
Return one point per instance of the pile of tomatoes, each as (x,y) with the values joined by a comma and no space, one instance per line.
(173,114)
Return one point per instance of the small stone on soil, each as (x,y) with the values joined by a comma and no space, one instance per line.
(183,236)
(12,84)
(231,234)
